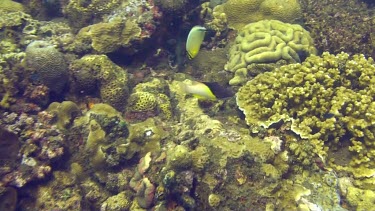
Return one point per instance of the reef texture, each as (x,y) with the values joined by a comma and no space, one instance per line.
(239,13)
(48,64)
(341,25)
(124,27)
(97,73)
(29,146)
(149,99)
(267,41)
(328,100)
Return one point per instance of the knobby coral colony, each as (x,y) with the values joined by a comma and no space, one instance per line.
(329,101)
(79,130)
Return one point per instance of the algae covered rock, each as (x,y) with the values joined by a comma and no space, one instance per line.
(267,41)
(48,64)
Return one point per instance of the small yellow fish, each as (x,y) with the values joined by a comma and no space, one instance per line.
(194,41)
(206,90)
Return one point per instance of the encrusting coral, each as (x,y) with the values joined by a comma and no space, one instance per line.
(149,99)
(267,41)
(328,100)
(93,72)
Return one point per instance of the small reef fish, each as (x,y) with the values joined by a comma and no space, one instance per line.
(207,90)
(194,41)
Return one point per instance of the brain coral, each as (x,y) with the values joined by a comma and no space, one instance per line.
(48,64)
(268,41)
(328,99)
(242,12)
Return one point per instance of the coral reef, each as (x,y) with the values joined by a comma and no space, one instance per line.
(65,112)
(93,72)
(40,145)
(340,26)
(81,14)
(62,192)
(108,37)
(266,42)
(172,6)
(149,99)
(11,6)
(328,101)
(48,64)
(242,12)
(125,27)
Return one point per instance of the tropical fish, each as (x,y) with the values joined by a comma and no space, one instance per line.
(194,41)
(207,90)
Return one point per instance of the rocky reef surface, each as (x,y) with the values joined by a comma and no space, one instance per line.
(95,116)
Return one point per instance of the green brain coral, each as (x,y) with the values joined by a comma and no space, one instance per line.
(241,12)
(267,41)
(328,99)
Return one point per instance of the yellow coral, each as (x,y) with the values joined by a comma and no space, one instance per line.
(65,112)
(11,6)
(242,12)
(164,105)
(112,79)
(267,41)
(142,101)
(107,37)
(325,101)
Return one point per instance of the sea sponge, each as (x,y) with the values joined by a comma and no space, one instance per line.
(48,64)
(242,12)
(267,41)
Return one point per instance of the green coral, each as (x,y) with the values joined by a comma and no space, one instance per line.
(327,99)
(65,113)
(109,36)
(165,106)
(49,65)
(92,71)
(141,102)
(80,13)
(151,97)
(361,199)
(242,12)
(267,41)
(121,201)
(11,6)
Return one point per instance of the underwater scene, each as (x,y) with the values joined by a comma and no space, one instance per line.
(187,105)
